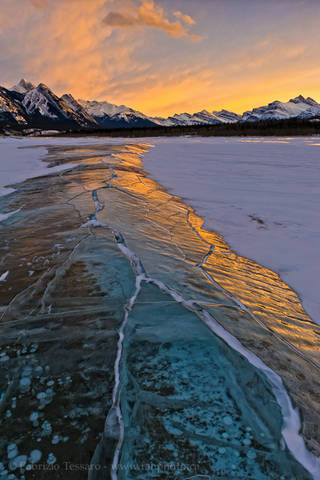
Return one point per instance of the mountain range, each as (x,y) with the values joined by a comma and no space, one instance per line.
(28,106)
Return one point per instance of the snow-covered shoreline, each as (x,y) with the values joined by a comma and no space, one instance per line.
(18,163)
(261,194)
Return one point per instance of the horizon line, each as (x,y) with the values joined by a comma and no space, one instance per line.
(159,116)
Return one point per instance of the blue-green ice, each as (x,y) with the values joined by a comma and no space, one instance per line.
(124,353)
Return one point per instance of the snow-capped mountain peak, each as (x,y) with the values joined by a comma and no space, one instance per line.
(298,107)
(23,86)
(78,109)
(36,101)
(226,116)
(204,117)
(300,98)
(11,110)
(109,115)
(100,109)
(44,106)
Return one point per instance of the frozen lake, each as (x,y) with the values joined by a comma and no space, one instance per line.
(132,336)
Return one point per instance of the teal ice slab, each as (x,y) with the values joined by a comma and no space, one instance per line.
(59,343)
(191,405)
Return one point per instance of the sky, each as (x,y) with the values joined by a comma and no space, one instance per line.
(165,56)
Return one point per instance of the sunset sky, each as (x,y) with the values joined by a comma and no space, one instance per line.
(165,56)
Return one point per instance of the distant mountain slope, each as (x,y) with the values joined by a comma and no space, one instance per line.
(11,109)
(48,110)
(23,86)
(100,109)
(227,117)
(204,117)
(115,116)
(298,107)
(26,105)
(79,109)
(195,119)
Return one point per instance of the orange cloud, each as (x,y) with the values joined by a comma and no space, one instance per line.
(185,18)
(67,46)
(151,15)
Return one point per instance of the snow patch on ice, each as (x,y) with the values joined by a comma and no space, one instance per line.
(94,224)
(3,277)
(19,163)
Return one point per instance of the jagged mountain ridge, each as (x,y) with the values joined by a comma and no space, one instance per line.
(298,107)
(204,117)
(108,115)
(23,86)
(33,106)
(39,107)
(11,109)
(79,109)
(42,104)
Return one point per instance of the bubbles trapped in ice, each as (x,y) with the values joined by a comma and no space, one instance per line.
(45,397)
(34,418)
(251,454)
(25,383)
(18,462)
(35,456)
(55,439)
(51,459)
(12,450)
(46,428)
(228,420)
(38,370)
(4,357)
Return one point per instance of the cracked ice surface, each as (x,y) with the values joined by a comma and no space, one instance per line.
(261,194)
(110,355)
